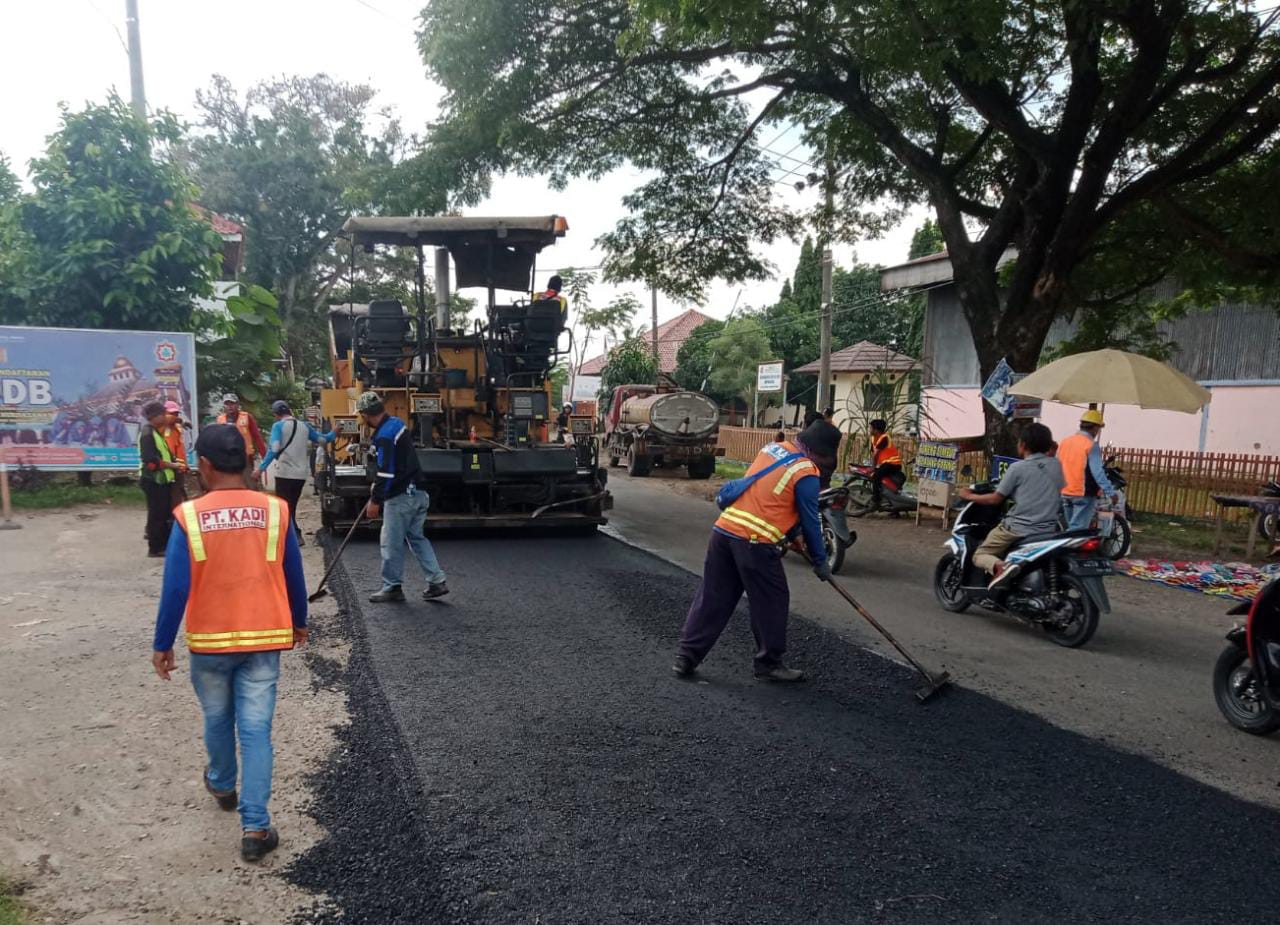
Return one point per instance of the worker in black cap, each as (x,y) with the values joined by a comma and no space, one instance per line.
(821,441)
(554,285)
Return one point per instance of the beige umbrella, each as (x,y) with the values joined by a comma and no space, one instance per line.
(1114,377)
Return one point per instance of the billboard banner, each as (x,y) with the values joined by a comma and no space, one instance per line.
(72,399)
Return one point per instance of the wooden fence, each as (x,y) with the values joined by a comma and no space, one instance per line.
(1170,482)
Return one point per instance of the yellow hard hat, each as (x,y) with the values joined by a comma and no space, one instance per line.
(1092,416)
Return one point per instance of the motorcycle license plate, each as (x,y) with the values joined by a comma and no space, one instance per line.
(1093,566)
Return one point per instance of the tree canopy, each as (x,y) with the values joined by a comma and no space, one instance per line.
(1098,140)
(109,236)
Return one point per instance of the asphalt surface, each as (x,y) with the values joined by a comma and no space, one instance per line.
(1142,683)
(520,752)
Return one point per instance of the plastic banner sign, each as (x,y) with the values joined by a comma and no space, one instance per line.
(998,393)
(937,461)
(999,466)
(769,377)
(72,399)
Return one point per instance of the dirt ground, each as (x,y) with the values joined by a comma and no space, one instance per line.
(105,819)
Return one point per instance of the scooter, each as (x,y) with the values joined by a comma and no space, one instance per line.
(1246,678)
(1269,524)
(892,498)
(1113,518)
(832,504)
(1059,588)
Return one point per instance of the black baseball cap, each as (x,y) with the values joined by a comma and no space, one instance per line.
(223,446)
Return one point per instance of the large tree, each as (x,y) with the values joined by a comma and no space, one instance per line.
(291,160)
(108,236)
(1058,128)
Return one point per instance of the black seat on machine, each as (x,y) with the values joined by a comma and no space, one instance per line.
(381,335)
(1059,535)
(544,322)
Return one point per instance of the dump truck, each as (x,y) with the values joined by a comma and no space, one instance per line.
(660,425)
(477,401)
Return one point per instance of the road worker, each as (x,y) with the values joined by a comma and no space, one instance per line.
(248,427)
(177,447)
(399,496)
(554,285)
(233,568)
(157,472)
(821,439)
(745,554)
(1082,467)
(886,459)
(289,447)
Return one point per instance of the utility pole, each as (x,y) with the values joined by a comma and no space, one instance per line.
(653,302)
(824,337)
(137,93)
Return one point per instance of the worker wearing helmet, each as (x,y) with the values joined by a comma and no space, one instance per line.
(1081,460)
(399,497)
(562,421)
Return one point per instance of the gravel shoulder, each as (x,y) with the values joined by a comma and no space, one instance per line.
(105,819)
(539,763)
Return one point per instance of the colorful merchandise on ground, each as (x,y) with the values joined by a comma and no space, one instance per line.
(1236,580)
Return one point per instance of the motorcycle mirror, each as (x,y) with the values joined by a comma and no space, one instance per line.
(967,470)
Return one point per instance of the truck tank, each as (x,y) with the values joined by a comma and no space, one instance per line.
(675,414)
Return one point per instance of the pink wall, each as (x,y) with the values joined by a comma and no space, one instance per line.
(1241,419)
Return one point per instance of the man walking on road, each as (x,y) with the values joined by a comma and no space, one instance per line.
(248,427)
(1081,459)
(745,555)
(157,472)
(234,569)
(290,444)
(400,498)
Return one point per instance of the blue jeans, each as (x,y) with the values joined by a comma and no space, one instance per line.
(1078,512)
(402,520)
(238,695)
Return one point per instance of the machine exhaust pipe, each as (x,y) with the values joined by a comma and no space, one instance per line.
(442,288)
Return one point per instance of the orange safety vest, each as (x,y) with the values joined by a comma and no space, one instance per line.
(173,437)
(1073,454)
(766,512)
(886,452)
(238,600)
(242,425)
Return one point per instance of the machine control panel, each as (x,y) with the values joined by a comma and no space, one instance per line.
(347,426)
(427,404)
(582,425)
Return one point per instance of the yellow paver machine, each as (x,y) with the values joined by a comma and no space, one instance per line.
(477,402)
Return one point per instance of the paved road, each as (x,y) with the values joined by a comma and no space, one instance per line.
(521,753)
(1142,683)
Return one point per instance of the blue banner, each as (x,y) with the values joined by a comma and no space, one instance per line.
(999,466)
(72,399)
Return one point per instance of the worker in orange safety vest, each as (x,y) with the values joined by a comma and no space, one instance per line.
(887,459)
(234,570)
(778,494)
(249,430)
(1082,467)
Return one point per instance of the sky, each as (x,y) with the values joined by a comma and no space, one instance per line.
(73,51)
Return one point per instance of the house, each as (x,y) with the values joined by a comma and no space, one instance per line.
(671,334)
(870,381)
(232,234)
(1233,350)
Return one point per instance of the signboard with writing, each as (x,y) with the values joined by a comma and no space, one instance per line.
(72,399)
(937,461)
(999,466)
(998,392)
(769,376)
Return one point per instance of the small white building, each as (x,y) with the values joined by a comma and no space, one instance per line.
(871,381)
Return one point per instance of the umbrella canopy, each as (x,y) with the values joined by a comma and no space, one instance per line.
(1114,377)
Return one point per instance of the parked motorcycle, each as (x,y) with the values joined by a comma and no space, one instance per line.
(1113,519)
(1059,588)
(1269,524)
(1246,678)
(832,507)
(862,497)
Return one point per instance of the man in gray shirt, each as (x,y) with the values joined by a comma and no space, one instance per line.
(1034,484)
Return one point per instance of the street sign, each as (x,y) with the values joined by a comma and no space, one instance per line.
(769,376)
(999,466)
(936,461)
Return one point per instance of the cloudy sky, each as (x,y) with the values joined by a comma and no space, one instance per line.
(73,51)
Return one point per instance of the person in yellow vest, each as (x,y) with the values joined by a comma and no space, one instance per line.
(234,570)
(248,427)
(1082,467)
(745,555)
(158,470)
(554,285)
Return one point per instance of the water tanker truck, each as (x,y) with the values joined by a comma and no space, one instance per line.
(650,425)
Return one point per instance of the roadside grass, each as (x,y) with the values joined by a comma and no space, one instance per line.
(730,469)
(1162,536)
(10,911)
(69,494)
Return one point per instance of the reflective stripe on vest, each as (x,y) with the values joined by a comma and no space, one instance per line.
(883,445)
(273,527)
(240,638)
(195,540)
(766,511)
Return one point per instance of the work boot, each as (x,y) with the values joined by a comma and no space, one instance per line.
(387,595)
(438,589)
(684,666)
(255,846)
(227,799)
(780,673)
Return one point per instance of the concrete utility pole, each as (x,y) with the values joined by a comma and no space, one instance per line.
(137,93)
(653,301)
(824,337)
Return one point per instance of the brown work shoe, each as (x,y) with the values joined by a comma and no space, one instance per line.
(227,799)
(255,846)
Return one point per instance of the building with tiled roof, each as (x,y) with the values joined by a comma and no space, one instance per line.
(864,357)
(671,334)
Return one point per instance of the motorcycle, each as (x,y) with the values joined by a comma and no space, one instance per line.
(862,496)
(1113,518)
(832,505)
(1059,588)
(1269,524)
(1246,678)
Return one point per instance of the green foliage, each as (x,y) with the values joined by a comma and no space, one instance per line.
(611,322)
(740,348)
(108,237)
(291,160)
(240,352)
(860,311)
(60,494)
(629,362)
(695,359)
(926,240)
(1118,326)
(9,186)
(559,383)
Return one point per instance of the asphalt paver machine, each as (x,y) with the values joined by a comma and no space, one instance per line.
(478,402)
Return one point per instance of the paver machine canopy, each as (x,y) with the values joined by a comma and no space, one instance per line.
(478,401)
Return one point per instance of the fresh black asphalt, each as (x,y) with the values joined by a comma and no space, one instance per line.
(521,753)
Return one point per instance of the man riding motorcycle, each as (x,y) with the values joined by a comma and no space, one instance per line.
(886,459)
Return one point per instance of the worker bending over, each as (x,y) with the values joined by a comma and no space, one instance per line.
(745,554)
